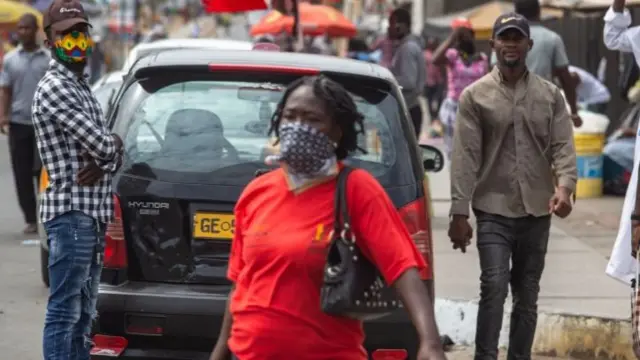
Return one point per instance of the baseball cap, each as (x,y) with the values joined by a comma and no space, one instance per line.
(63,14)
(511,21)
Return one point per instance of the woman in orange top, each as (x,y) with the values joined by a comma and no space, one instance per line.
(282,223)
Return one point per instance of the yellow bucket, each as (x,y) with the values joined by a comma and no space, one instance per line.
(589,160)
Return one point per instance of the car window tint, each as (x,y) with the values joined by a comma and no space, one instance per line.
(204,127)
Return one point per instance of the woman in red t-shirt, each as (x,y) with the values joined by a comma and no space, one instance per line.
(283,220)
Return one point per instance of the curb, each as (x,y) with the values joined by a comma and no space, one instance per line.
(557,335)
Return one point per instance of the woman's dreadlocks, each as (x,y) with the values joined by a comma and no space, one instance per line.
(340,105)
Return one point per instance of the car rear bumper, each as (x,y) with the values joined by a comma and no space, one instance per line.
(147,354)
(194,312)
(170,299)
(190,317)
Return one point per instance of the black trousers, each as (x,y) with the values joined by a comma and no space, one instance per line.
(523,241)
(416,119)
(434,95)
(26,165)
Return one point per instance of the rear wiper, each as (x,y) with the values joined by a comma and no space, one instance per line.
(110,101)
(110,105)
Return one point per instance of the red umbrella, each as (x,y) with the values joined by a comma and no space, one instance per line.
(227,6)
(314,20)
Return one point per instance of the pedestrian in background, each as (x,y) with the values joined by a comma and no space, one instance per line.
(618,153)
(385,45)
(23,68)
(464,66)
(589,91)
(434,86)
(512,127)
(80,154)
(407,64)
(95,66)
(548,56)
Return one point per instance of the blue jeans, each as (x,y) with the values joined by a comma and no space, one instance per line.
(76,248)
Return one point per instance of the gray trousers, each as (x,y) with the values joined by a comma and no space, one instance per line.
(523,242)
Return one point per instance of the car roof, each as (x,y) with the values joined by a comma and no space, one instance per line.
(109,78)
(114,76)
(197,42)
(224,44)
(193,57)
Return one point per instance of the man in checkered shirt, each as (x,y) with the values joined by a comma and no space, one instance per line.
(80,154)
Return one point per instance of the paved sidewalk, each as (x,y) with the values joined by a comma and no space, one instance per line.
(574,280)
(584,313)
(466,353)
(595,222)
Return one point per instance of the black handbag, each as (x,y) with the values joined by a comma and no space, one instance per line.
(352,287)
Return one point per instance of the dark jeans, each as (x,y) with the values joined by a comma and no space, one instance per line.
(523,241)
(25,162)
(416,119)
(434,95)
(76,248)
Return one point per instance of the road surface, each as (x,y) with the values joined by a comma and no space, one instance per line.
(22,295)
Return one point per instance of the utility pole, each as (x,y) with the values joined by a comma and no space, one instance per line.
(435,8)
(417,15)
(423,9)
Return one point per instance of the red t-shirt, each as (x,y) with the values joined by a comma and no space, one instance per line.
(277,262)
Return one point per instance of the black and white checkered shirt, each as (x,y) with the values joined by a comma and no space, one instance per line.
(68,121)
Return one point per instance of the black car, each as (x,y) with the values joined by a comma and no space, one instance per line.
(194,124)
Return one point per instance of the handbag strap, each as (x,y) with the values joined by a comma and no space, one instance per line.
(342,220)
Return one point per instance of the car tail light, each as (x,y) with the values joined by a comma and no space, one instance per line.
(390,354)
(115,249)
(108,346)
(149,325)
(416,218)
(264,68)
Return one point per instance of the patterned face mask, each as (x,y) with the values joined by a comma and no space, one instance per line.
(74,47)
(304,149)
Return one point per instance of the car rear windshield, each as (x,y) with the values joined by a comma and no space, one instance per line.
(194,129)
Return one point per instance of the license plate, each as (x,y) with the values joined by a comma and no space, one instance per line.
(213,226)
